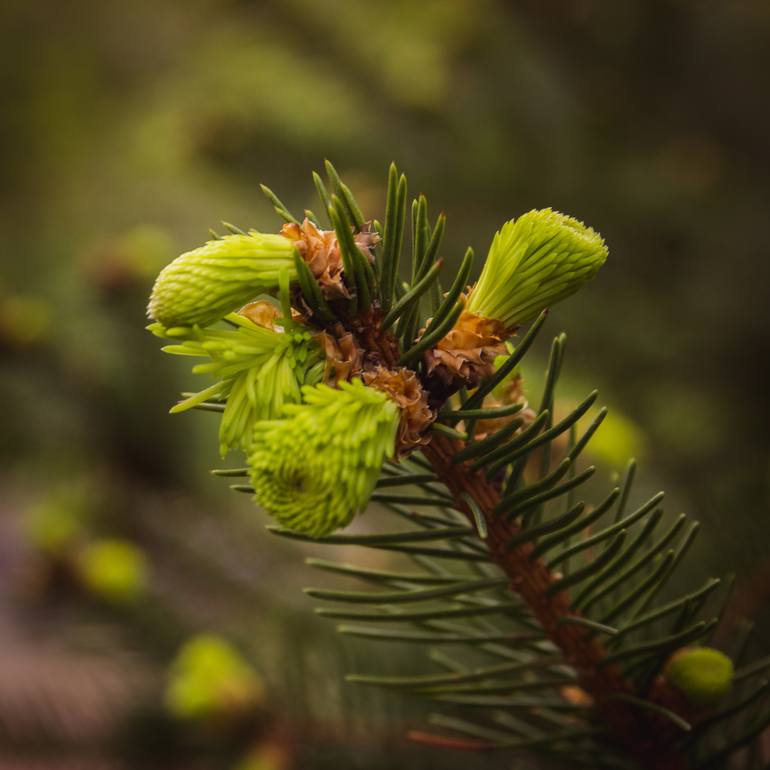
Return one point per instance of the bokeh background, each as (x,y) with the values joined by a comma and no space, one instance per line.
(128,129)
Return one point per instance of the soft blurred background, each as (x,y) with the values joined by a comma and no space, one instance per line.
(146,618)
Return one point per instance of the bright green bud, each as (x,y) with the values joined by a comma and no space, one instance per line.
(114,570)
(316,468)
(259,370)
(535,261)
(210,678)
(205,284)
(702,674)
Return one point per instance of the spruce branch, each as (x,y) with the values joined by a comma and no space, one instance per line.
(347,385)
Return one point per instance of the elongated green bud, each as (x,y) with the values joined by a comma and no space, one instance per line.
(316,468)
(259,369)
(702,674)
(535,261)
(205,284)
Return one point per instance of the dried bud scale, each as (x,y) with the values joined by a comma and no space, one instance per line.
(468,352)
(321,251)
(403,387)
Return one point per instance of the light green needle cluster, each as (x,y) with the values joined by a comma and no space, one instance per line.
(702,674)
(316,468)
(259,370)
(535,261)
(203,285)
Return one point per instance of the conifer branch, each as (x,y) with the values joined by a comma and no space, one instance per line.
(349,387)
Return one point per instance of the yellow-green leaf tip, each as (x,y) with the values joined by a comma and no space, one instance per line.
(258,370)
(702,674)
(535,261)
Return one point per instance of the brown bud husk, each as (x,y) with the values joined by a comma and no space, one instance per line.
(344,357)
(468,351)
(403,387)
(262,313)
(320,250)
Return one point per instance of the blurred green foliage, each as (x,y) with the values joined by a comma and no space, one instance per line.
(114,570)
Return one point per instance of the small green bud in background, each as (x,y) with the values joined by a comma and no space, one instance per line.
(51,529)
(316,468)
(59,521)
(259,370)
(209,678)
(702,674)
(114,570)
(535,261)
(203,285)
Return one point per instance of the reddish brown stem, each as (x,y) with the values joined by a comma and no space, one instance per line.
(644,735)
